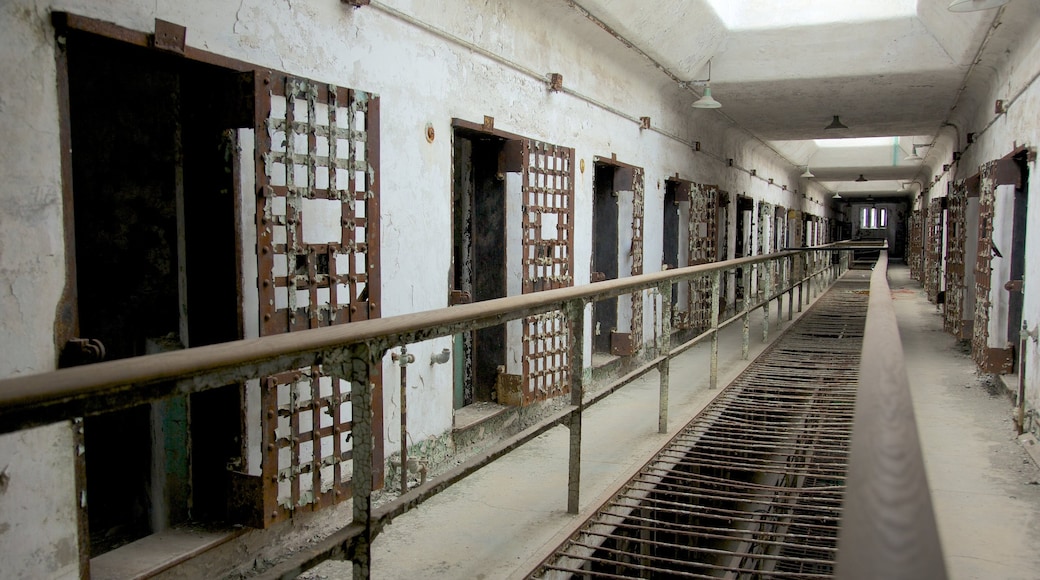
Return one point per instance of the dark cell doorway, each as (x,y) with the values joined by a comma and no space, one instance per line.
(670,257)
(157,269)
(604,254)
(744,242)
(479,247)
(1018,255)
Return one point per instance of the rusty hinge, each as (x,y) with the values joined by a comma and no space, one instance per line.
(1013,286)
(456,297)
(169,37)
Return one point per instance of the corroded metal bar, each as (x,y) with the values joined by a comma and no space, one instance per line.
(664,368)
(767,279)
(575,311)
(889,528)
(357,369)
(790,290)
(716,285)
(746,337)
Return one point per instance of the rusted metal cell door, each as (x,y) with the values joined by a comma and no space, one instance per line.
(317,160)
(703,249)
(955,247)
(933,255)
(547,262)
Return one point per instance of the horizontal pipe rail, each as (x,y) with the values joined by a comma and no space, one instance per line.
(65,394)
(32,400)
(889,528)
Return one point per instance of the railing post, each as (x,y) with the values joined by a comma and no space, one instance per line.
(746,347)
(767,281)
(357,369)
(716,285)
(801,279)
(664,349)
(575,311)
(778,287)
(790,288)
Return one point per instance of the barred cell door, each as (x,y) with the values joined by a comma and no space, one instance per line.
(547,263)
(703,249)
(933,255)
(953,318)
(317,219)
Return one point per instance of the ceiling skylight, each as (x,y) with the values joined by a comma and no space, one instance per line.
(770,14)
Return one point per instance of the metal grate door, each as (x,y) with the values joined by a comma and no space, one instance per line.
(548,262)
(318,255)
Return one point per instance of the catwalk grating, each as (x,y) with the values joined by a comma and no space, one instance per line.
(752,487)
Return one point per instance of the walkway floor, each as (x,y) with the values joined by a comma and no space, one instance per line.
(495,523)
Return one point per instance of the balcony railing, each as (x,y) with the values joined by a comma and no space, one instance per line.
(350,351)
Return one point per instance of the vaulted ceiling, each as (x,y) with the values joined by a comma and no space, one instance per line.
(894,70)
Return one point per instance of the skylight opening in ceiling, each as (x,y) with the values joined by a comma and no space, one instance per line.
(770,14)
(856,142)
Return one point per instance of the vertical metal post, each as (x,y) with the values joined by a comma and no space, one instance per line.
(716,285)
(575,311)
(764,283)
(357,369)
(801,280)
(745,349)
(402,360)
(779,289)
(767,292)
(790,288)
(665,350)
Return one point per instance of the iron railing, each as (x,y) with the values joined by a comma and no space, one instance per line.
(350,351)
(888,528)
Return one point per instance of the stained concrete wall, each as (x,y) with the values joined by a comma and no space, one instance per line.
(423,78)
(1014,80)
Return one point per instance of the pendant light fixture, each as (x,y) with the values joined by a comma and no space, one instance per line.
(861,178)
(835,124)
(706,101)
(808,174)
(914,156)
(975,5)
(837,196)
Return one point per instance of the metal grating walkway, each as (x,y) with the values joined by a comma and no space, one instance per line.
(752,486)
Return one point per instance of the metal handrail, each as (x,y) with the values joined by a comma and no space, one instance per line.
(350,350)
(32,400)
(888,525)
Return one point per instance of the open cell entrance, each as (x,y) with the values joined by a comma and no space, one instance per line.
(479,247)
(156,269)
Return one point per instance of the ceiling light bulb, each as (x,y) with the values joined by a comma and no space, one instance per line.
(975,5)
(837,196)
(808,174)
(706,102)
(835,124)
(861,178)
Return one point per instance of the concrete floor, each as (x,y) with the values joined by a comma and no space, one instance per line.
(501,520)
(984,485)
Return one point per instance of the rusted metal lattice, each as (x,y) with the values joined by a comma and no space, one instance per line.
(933,249)
(638,205)
(953,309)
(916,253)
(703,240)
(765,239)
(548,262)
(795,233)
(983,269)
(318,256)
